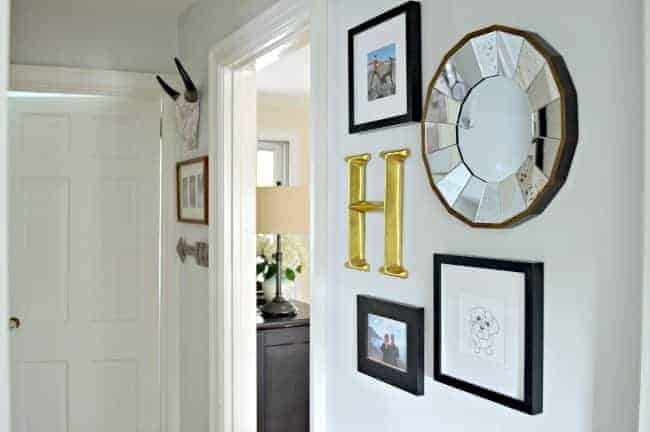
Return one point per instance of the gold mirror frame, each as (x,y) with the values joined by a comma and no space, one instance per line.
(569,127)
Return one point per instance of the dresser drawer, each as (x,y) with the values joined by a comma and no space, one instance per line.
(286,336)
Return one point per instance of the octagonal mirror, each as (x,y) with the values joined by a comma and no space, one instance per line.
(500,127)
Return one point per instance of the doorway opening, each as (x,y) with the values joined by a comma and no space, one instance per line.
(234,143)
(283,292)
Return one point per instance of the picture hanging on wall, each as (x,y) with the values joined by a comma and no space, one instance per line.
(384,69)
(488,328)
(192,190)
(390,343)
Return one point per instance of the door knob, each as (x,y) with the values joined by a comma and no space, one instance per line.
(14,323)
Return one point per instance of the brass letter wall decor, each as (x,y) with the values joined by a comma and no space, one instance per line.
(392,206)
(357,209)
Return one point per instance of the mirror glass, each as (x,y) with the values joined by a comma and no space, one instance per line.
(493,127)
(494,132)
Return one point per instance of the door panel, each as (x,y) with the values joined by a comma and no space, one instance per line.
(119,377)
(84,272)
(45,134)
(114,259)
(42,236)
(45,385)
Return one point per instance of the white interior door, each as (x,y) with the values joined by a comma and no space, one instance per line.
(84,264)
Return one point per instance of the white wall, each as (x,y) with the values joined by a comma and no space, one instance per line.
(184,299)
(194,403)
(207,22)
(203,25)
(136,43)
(192,281)
(200,27)
(589,237)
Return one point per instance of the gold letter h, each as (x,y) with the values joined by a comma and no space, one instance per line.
(392,205)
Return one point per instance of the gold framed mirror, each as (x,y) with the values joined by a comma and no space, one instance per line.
(500,127)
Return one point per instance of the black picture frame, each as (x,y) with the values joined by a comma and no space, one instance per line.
(411,380)
(532,403)
(413,67)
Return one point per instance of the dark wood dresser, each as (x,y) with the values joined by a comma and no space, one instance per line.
(283,373)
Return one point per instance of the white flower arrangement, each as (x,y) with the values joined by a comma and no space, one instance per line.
(293,257)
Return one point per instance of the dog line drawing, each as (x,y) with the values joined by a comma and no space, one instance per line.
(483,328)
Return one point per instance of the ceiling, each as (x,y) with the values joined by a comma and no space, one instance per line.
(289,75)
(102,7)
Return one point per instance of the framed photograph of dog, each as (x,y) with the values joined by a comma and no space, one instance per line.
(390,343)
(488,328)
(384,69)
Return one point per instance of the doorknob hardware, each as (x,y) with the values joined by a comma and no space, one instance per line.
(199,251)
(14,323)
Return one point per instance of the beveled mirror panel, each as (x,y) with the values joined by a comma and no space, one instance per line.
(500,127)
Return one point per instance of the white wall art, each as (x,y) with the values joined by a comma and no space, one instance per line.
(488,328)
(192,190)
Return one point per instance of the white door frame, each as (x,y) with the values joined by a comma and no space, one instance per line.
(644,408)
(62,80)
(233,393)
(5,408)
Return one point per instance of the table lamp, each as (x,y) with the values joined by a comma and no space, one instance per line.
(281,210)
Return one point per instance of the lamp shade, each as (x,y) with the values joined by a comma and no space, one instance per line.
(282,210)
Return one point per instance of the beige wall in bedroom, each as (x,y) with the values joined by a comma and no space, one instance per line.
(284,115)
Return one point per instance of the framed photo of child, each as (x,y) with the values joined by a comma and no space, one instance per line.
(385,71)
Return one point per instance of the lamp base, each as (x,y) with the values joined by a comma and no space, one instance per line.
(279,307)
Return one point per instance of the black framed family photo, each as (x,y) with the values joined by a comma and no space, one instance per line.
(390,343)
(385,69)
(488,329)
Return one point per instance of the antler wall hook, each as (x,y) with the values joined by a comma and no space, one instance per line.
(187,107)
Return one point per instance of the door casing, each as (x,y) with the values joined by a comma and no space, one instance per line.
(232,343)
(5,408)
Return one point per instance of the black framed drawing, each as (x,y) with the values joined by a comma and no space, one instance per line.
(385,69)
(390,343)
(488,329)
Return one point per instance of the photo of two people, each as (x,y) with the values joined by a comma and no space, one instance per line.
(389,351)
(387,341)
